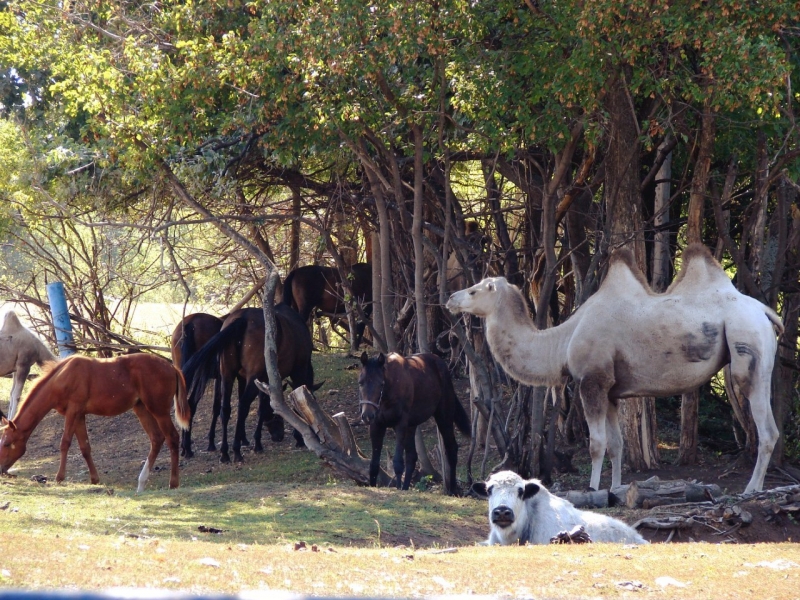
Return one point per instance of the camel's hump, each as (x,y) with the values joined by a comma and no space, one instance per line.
(11,322)
(625,257)
(699,266)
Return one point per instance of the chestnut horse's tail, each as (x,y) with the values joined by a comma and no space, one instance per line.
(183,414)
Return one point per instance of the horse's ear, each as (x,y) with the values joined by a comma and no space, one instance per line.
(364,358)
(479,489)
(381,359)
(530,490)
(5,423)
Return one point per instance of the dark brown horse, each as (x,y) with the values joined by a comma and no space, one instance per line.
(238,352)
(190,335)
(312,286)
(79,386)
(403,393)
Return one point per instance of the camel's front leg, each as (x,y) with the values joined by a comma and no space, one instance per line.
(594,395)
(86,450)
(66,440)
(20,376)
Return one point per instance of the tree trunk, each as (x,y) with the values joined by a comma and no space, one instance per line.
(377,286)
(416,236)
(661,242)
(624,228)
(294,233)
(687,451)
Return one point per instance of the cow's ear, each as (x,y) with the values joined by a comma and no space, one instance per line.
(479,489)
(364,358)
(530,490)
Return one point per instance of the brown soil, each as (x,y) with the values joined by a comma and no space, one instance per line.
(119,447)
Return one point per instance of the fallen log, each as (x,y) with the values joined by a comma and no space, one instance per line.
(653,492)
(331,439)
(589,499)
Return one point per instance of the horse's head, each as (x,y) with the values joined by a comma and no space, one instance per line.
(12,444)
(371,380)
(481,299)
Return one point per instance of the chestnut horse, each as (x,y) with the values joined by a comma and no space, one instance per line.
(191,334)
(108,387)
(402,393)
(238,352)
(313,286)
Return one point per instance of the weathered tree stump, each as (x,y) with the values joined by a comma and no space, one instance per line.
(589,499)
(330,438)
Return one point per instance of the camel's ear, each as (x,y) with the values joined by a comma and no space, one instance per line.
(364,358)
(479,489)
(381,359)
(490,286)
(530,490)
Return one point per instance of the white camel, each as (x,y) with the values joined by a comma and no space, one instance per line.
(20,349)
(628,341)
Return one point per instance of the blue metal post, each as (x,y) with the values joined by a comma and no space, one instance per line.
(61,322)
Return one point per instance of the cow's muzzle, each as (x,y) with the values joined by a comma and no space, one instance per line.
(502,516)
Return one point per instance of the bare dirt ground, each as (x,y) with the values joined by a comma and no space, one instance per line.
(119,446)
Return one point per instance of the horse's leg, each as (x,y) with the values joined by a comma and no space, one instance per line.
(376,435)
(153,431)
(225,416)
(594,395)
(245,402)
(86,450)
(447,437)
(410,449)
(215,414)
(751,369)
(20,376)
(170,434)
(66,440)
(614,442)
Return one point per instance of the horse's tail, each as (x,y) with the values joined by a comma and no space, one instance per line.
(188,346)
(460,416)
(183,414)
(204,365)
(288,296)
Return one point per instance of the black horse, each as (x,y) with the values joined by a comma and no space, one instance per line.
(312,286)
(403,393)
(238,352)
(191,334)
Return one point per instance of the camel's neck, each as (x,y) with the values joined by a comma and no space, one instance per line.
(530,356)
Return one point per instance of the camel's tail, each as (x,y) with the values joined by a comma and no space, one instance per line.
(183,414)
(775,319)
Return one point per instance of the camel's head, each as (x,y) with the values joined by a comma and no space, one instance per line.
(12,444)
(481,299)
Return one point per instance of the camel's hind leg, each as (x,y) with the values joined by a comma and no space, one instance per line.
(151,427)
(594,395)
(614,443)
(751,370)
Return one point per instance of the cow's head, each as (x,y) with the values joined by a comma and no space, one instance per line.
(507,493)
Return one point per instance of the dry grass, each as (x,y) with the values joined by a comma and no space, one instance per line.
(88,561)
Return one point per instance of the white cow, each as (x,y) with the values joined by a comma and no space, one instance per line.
(523,511)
